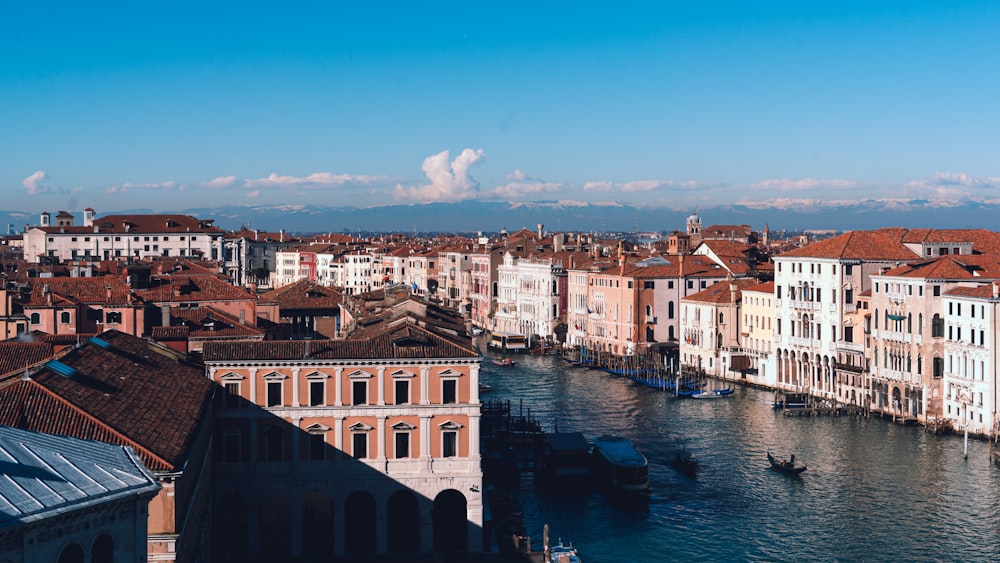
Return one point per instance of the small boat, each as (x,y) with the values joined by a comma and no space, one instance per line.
(786,466)
(503,362)
(484,388)
(713,393)
(683,463)
(563,553)
(618,464)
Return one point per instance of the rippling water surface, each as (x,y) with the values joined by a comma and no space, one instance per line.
(874,491)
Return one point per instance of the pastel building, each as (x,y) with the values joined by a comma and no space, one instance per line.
(355,447)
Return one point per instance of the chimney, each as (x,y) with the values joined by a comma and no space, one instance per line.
(541,229)
(164,315)
(109,293)
(243,317)
(996,290)
(281,235)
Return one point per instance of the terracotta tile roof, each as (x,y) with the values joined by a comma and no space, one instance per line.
(106,290)
(402,341)
(728,247)
(984,291)
(209,322)
(303,294)
(193,288)
(723,231)
(17,356)
(169,333)
(131,392)
(882,244)
(721,292)
(766,287)
(951,267)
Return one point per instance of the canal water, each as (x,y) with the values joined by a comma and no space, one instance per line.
(873,491)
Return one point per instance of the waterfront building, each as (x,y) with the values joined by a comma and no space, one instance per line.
(483,263)
(66,499)
(757,333)
(632,306)
(120,237)
(124,390)
(711,335)
(969,384)
(815,289)
(367,445)
(909,331)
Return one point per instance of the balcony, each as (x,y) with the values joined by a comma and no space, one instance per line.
(805,305)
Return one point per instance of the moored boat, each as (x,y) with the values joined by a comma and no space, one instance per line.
(563,553)
(503,362)
(713,393)
(618,464)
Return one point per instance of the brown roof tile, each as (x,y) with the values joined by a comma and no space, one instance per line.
(124,390)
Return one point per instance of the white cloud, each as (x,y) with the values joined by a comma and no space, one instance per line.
(449,180)
(129,186)
(639,186)
(37,183)
(220,183)
(802,184)
(314,181)
(959,179)
(253,194)
(517,190)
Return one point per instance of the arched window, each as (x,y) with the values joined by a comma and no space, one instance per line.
(36,318)
(670,309)
(64,317)
(937,326)
(72,553)
(103,550)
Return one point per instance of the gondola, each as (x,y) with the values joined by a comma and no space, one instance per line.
(786,466)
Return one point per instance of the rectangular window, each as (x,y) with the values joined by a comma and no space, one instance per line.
(449,391)
(359,393)
(317,447)
(232,400)
(231,450)
(937,290)
(359,444)
(316,393)
(273,393)
(449,444)
(402,391)
(402,445)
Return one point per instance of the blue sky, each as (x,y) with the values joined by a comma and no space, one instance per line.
(171,105)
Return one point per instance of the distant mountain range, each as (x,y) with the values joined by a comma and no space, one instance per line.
(475,216)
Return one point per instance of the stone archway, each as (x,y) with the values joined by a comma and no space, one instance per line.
(403,523)
(451,522)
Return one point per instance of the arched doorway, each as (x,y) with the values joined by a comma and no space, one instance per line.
(103,550)
(359,524)
(450,522)
(317,521)
(403,523)
(275,529)
(897,400)
(231,523)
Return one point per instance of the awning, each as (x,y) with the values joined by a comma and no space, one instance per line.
(896,317)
